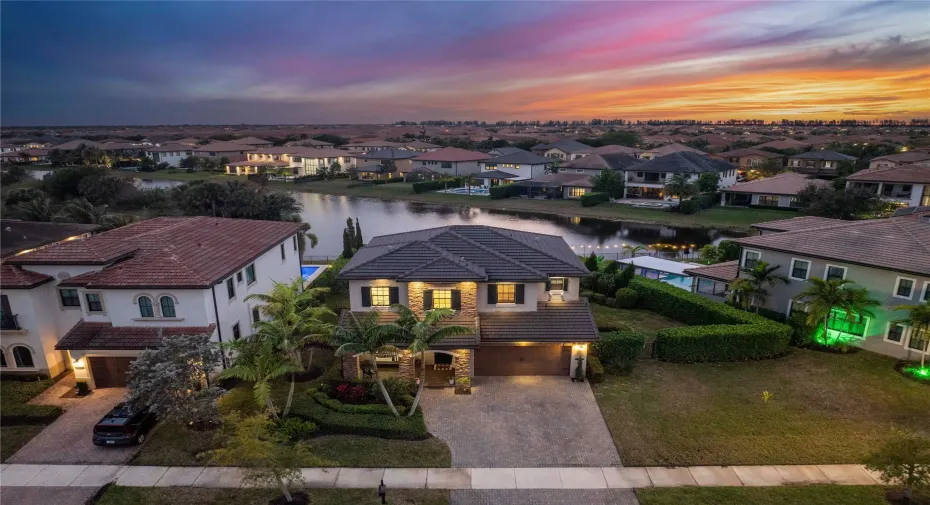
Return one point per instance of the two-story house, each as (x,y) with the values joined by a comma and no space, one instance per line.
(92,304)
(450,161)
(513,167)
(518,290)
(820,163)
(888,257)
(900,159)
(594,163)
(291,160)
(384,163)
(747,159)
(906,184)
(658,152)
(218,150)
(564,149)
(647,179)
(172,154)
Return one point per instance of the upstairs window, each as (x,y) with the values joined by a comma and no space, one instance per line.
(446,164)
(904,288)
(94,302)
(167,307)
(800,269)
(557,284)
(835,272)
(69,298)
(751,259)
(442,298)
(230,288)
(283,254)
(250,273)
(237,332)
(145,307)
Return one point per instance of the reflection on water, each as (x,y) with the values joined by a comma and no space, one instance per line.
(327,215)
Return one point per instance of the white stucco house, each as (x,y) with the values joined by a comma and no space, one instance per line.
(450,161)
(907,185)
(513,167)
(172,154)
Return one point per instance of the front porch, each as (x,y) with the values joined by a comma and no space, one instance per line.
(442,367)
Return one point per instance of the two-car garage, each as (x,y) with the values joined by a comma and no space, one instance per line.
(544,359)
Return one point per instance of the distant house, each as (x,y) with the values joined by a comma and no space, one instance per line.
(77,144)
(26,156)
(500,151)
(778,191)
(317,144)
(372,145)
(189,141)
(172,154)
(784,144)
(651,154)
(516,167)
(819,163)
(747,159)
(647,180)
(293,160)
(19,237)
(593,164)
(560,185)
(906,185)
(370,165)
(899,159)
(252,141)
(564,149)
(123,148)
(420,146)
(612,149)
(450,161)
(713,281)
(228,150)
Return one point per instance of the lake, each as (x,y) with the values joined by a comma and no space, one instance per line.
(327,215)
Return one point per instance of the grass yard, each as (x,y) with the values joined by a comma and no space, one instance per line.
(786,495)
(119,495)
(826,408)
(13,397)
(641,320)
(14,437)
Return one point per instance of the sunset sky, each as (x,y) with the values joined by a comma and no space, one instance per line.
(354,62)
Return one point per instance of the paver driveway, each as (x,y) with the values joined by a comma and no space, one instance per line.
(68,439)
(521,422)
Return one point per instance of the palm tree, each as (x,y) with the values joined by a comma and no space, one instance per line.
(259,361)
(422,333)
(469,181)
(114,221)
(37,209)
(285,299)
(918,319)
(680,185)
(760,276)
(633,249)
(552,168)
(822,297)
(366,335)
(82,211)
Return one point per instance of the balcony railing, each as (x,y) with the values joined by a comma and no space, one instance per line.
(9,322)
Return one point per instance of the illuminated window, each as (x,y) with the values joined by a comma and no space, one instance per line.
(442,299)
(506,293)
(577,192)
(380,296)
(490,167)
(768,200)
(557,284)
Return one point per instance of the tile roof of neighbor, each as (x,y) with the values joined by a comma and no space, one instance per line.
(453,154)
(560,178)
(169,252)
(910,174)
(464,252)
(374,143)
(908,157)
(318,152)
(674,148)
(168,148)
(103,336)
(567,145)
(727,271)
(859,242)
(797,223)
(495,174)
(509,150)
(389,154)
(613,149)
(751,151)
(419,144)
(16,236)
(685,162)
(788,183)
(14,277)
(75,144)
(458,341)
(788,143)
(607,161)
(823,155)
(252,141)
(555,321)
(520,159)
(222,147)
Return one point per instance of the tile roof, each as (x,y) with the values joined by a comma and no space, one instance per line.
(419,144)
(595,161)
(495,174)
(452,154)
(739,153)
(167,148)
(259,163)
(910,174)
(907,157)
(901,244)
(222,147)
(14,277)
(612,149)
(310,143)
(76,144)
(170,252)
(509,150)
(252,141)
(788,143)
(102,336)
(551,322)
(458,341)
(674,148)
(374,143)
(566,145)
(727,271)
(823,155)
(798,223)
(685,162)
(17,236)
(389,154)
(520,159)
(480,253)
(788,183)
(560,178)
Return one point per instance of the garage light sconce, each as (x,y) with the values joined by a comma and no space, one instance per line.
(78,364)
(581,347)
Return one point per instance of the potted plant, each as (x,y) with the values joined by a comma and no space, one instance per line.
(579,370)
(463,386)
(82,388)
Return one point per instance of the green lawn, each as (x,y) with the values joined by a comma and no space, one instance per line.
(826,408)
(787,495)
(14,437)
(13,397)
(119,495)
(641,320)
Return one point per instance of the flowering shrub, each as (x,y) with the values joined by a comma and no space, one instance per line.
(351,394)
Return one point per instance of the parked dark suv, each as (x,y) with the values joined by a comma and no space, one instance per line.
(121,426)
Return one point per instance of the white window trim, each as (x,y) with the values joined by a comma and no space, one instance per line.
(103,304)
(906,343)
(746,252)
(897,284)
(826,269)
(791,270)
(62,306)
(904,334)
(923,293)
(246,274)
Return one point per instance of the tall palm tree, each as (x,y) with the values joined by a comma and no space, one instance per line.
(469,181)
(285,299)
(757,278)
(82,211)
(679,185)
(259,361)
(918,319)
(633,249)
(423,333)
(37,209)
(113,221)
(823,296)
(366,335)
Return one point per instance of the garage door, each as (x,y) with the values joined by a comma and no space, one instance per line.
(110,372)
(523,360)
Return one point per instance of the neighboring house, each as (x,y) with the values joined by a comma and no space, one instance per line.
(501,151)
(123,148)
(906,184)
(77,144)
(819,163)
(647,180)
(294,161)
(784,144)
(888,257)
(900,159)
(189,141)
(172,154)
(795,224)
(747,159)
(612,149)
(777,191)
(93,304)
(30,155)
(651,154)
(518,290)
(373,145)
(564,149)
(713,281)
(421,147)
(593,164)
(515,167)
(228,150)
(317,144)
(252,141)
(18,237)
(566,185)
(450,161)
(370,165)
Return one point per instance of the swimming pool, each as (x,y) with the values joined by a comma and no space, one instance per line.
(310,272)
(679,281)
(464,191)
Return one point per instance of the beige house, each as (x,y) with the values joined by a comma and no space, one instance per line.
(907,185)
(778,191)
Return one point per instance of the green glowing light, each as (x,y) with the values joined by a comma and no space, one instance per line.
(922,373)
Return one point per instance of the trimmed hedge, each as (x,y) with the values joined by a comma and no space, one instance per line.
(618,350)
(719,332)
(373,425)
(595,370)
(592,199)
(348,408)
(504,191)
(626,298)
(419,187)
(17,414)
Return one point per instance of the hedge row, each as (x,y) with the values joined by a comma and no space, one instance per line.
(592,199)
(618,350)
(719,332)
(595,370)
(13,408)
(504,191)
(348,408)
(455,182)
(373,425)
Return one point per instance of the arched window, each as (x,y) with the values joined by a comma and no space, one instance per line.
(23,357)
(2,359)
(167,307)
(145,307)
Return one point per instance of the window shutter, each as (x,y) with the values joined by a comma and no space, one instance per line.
(456,299)
(548,285)
(393,295)
(366,296)
(565,284)
(428,299)
(492,294)
(519,293)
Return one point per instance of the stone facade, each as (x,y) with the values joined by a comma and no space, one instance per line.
(462,362)
(469,296)
(350,367)
(407,370)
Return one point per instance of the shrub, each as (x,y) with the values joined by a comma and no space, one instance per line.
(504,191)
(587,295)
(592,199)
(351,394)
(599,298)
(689,207)
(618,350)
(294,428)
(397,387)
(626,275)
(606,283)
(595,372)
(13,408)
(419,187)
(366,424)
(627,298)
(611,302)
(366,408)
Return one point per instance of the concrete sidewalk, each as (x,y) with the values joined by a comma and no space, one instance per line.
(13,475)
